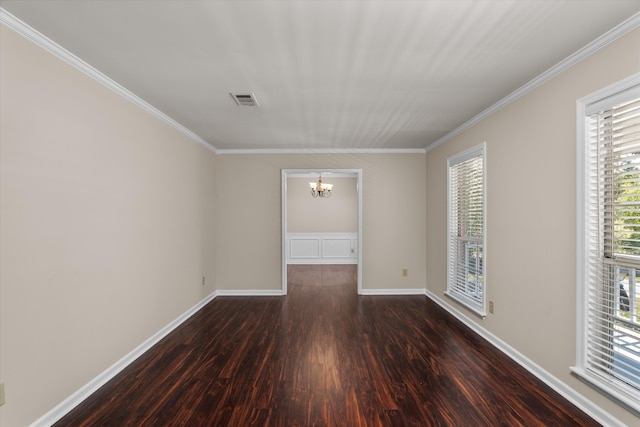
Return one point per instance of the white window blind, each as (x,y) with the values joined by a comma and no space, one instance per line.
(466,207)
(612,297)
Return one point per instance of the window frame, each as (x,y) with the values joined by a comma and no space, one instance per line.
(478,306)
(607,97)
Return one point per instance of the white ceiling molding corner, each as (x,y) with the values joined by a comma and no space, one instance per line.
(609,37)
(60,52)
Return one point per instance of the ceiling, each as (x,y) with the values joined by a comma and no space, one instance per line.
(328,75)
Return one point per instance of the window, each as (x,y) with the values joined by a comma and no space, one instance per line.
(466,278)
(609,241)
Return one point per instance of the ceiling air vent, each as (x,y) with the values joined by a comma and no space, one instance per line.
(245,99)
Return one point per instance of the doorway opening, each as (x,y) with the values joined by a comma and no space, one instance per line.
(356,243)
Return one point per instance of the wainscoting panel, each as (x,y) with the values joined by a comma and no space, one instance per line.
(336,248)
(322,248)
(304,248)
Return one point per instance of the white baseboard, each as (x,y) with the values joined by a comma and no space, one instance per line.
(570,394)
(590,408)
(249,293)
(88,389)
(322,261)
(278,292)
(411,291)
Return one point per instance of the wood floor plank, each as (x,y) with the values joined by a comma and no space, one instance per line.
(324,356)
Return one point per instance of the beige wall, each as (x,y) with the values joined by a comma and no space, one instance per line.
(531,199)
(336,214)
(107,216)
(249,227)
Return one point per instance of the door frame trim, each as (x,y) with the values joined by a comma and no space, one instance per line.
(292,173)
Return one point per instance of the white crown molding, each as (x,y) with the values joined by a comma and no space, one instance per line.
(49,45)
(58,51)
(625,27)
(586,405)
(64,407)
(325,151)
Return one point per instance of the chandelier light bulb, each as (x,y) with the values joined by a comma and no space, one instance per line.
(318,189)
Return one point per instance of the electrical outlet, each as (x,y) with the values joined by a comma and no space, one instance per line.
(405,272)
(2,394)
(202,280)
(491,307)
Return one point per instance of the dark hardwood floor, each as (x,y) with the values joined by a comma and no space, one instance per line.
(324,356)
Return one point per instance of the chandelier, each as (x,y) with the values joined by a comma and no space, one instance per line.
(318,189)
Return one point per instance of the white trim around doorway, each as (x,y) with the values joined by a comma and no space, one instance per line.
(292,173)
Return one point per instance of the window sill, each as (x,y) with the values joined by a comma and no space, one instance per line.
(468,303)
(618,391)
